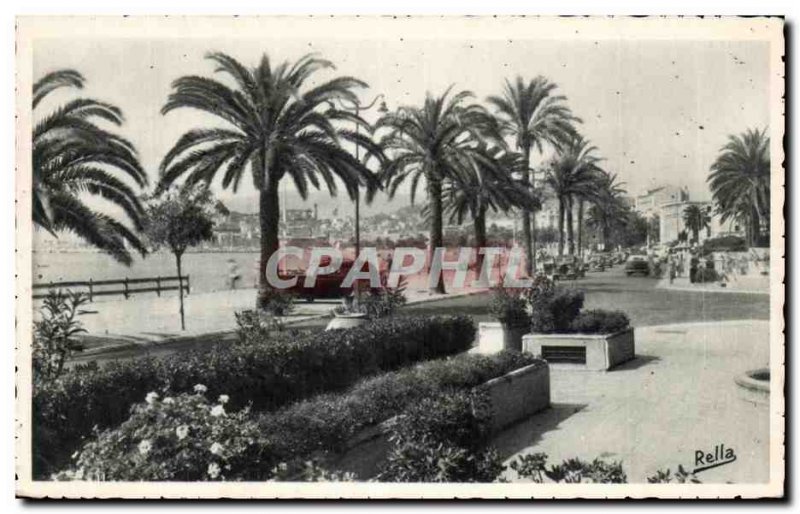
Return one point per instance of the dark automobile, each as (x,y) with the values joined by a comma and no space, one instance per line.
(329,285)
(637,264)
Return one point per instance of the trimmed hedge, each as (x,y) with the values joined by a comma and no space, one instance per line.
(280,444)
(266,376)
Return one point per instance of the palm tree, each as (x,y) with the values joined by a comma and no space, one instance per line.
(432,142)
(533,115)
(740,181)
(485,183)
(608,211)
(275,129)
(73,157)
(571,172)
(696,219)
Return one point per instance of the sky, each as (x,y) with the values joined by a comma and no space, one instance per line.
(657,110)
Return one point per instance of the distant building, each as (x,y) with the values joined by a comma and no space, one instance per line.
(650,203)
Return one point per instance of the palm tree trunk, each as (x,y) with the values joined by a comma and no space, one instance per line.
(580,227)
(570,228)
(480,242)
(437,228)
(269,219)
(561,226)
(528,219)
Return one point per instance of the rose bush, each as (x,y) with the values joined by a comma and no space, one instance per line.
(186,438)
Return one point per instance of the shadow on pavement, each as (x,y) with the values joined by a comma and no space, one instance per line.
(639,361)
(528,432)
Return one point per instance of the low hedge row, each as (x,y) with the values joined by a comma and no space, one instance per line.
(275,444)
(265,376)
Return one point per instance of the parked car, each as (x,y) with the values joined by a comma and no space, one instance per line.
(328,286)
(637,264)
(596,264)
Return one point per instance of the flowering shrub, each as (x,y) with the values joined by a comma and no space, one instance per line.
(267,376)
(185,438)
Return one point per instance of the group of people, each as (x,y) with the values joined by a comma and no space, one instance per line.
(725,266)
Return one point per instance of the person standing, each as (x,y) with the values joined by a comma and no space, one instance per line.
(233,273)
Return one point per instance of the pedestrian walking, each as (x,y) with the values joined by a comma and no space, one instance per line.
(233,273)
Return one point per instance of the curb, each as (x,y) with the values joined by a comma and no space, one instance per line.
(113,348)
(663,284)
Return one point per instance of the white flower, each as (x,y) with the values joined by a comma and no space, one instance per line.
(151,397)
(169,400)
(216,449)
(78,474)
(144,447)
(182,431)
(223,398)
(217,410)
(213,470)
(200,389)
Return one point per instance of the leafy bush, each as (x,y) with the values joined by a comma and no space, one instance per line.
(443,439)
(277,302)
(704,275)
(183,438)
(380,303)
(257,326)
(571,471)
(599,321)
(268,375)
(724,244)
(288,443)
(54,334)
(508,307)
(665,476)
(554,309)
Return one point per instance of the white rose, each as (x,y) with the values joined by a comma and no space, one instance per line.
(169,400)
(200,388)
(144,447)
(213,470)
(216,449)
(151,397)
(223,398)
(182,431)
(217,410)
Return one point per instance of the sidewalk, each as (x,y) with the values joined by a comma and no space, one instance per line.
(146,321)
(677,397)
(747,284)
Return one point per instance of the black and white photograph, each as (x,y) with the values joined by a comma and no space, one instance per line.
(400,257)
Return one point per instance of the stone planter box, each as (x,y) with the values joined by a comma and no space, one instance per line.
(582,351)
(493,336)
(513,397)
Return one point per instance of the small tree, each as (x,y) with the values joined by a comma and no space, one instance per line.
(179,220)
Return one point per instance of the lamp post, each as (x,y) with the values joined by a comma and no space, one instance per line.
(357,108)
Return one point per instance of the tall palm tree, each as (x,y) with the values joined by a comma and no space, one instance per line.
(74,158)
(696,219)
(570,172)
(275,127)
(740,181)
(431,142)
(486,183)
(532,114)
(607,210)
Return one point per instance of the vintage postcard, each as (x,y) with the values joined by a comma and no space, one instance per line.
(400,257)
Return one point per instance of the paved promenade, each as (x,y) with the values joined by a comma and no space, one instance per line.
(747,284)
(677,397)
(147,319)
